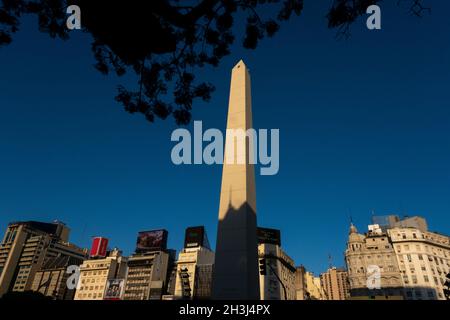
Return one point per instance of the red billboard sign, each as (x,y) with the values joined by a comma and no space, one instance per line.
(99,247)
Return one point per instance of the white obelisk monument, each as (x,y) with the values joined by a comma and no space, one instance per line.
(236,274)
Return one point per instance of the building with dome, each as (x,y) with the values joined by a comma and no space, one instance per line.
(400,258)
(372,264)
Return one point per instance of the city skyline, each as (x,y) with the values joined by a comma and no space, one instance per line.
(362,132)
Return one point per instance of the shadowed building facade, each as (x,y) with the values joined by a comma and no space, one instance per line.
(235,273)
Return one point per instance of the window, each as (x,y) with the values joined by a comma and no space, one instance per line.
(426,279)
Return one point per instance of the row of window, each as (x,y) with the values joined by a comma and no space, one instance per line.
(94,280)
(90,288)
(418,247)
(90,295)
(95,273)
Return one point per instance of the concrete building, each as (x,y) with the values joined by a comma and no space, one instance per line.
(278,280)
(411,261)
(313,286)
(27,247)
(424,261)
(335,284)
(51,279)
(301,292)
(171,282)
(307,286)
(372,264)
(192,263)
(236,264)
(194,266)
(95,273)
(147,276)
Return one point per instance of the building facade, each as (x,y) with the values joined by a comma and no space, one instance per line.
(279,266)
(301,292)
(335,284)
(51,279)
(424,261)
(194,266)
(307,286)
(194,277)
(147,276)
(27,247)
(95,273)
(411,261)
(372,264)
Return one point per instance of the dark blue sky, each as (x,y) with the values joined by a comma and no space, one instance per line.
(364,125)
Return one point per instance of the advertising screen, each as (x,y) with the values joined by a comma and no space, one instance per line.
(194,237)
(151,240)
(270,236)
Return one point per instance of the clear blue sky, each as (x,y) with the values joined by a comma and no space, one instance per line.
(364,124)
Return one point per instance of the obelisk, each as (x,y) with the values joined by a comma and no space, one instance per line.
(236,273)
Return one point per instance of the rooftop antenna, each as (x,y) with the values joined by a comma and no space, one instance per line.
(373,216)
(330,260)
(83,231)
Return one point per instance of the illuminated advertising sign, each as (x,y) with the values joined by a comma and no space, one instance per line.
(269,236)
(99,247)
(153,240)
(194,237)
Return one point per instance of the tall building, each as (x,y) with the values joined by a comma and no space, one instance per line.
(372,253)
(235,273)
(172,279)
(335,284)
(27,247)
(96,272)
(412,262)
(146,276)
(301,292)
(148,268)
(424,261)
(51,279)
(194,266)
(278,280)
(307,286)
(314,287)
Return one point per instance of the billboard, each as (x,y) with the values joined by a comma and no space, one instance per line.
(269,236)
(153,240)
(114,289)
(99,247)
(196,237)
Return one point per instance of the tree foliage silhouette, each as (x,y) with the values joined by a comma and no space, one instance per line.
(164,41)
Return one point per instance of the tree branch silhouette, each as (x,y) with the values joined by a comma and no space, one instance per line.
(164,42)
